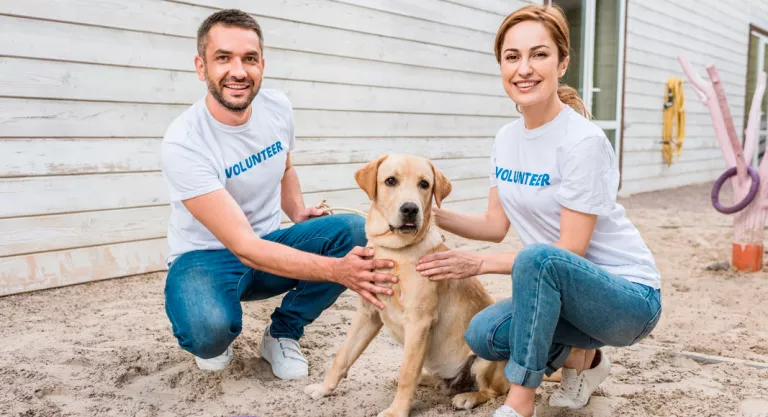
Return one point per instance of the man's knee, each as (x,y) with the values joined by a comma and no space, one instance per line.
(202,323)
(348,231)
(209,337)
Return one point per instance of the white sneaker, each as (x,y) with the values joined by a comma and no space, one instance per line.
(284,355)
(575,390)
(216,363)
(507,411)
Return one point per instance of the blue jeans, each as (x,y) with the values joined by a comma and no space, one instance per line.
(560,300)
(204,289)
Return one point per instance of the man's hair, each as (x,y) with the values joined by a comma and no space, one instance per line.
(230,18)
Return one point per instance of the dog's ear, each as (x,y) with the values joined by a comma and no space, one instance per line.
(366,176)
(442,186)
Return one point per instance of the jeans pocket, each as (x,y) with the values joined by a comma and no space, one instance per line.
(650,326)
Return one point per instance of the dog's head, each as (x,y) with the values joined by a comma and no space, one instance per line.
(401,189)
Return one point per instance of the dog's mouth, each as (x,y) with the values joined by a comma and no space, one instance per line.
(405,229)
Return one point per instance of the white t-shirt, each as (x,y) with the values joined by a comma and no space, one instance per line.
(568,162)
(199,155)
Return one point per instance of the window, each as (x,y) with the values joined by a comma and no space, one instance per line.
(757,61)
(597,56)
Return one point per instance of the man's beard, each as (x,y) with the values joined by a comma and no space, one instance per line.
(216,92)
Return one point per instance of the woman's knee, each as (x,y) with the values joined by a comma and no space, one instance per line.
(488,332)
(534,255)
(530,260)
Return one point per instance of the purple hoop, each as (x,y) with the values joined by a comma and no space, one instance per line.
(748,199)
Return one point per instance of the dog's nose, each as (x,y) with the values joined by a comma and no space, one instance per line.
(409,210)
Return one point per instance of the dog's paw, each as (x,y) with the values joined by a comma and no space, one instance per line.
(468,400)
(316,391)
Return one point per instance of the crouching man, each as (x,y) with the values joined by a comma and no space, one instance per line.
(227,165)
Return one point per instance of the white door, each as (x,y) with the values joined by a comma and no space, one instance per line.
(595,69)
(757,62)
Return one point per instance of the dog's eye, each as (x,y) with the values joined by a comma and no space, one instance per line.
(423,184)
(390,181)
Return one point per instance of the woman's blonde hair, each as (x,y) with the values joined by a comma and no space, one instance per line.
(553,19)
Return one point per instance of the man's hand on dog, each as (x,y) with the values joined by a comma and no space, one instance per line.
(356,273)
(449,265)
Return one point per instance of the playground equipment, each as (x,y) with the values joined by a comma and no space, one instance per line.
(750,192)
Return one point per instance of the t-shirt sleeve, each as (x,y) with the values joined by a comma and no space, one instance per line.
(187,171)
(589,177)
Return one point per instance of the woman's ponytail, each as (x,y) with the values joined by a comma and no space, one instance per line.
(570,97)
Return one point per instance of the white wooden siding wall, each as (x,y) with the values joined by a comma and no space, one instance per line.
(88,88)
(706,32)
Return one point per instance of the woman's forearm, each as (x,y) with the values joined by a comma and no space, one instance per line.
(471,226)
(496,263)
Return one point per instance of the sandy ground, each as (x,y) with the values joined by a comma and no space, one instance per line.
(106,348)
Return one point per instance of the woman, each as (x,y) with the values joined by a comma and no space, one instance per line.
(585,278)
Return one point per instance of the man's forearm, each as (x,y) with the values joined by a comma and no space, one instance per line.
(292,202)
(285,261)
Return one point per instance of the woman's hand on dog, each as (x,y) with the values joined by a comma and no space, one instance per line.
(356,273)
(449,265)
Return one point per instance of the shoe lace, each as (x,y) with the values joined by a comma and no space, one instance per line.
(571,385)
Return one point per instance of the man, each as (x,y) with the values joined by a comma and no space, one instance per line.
(226,162)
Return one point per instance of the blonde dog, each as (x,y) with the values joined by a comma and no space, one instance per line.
(428,318)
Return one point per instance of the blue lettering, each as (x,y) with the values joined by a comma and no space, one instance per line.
(251,161)
(522,177)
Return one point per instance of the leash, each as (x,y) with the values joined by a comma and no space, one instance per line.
(674,113)
(332,210)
